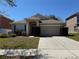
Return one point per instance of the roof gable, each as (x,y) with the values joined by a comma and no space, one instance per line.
(76,14)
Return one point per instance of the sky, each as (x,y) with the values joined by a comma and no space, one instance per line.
(28,8)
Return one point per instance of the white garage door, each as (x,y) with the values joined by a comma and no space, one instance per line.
(50,30)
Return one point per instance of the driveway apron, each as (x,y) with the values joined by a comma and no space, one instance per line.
(58,47)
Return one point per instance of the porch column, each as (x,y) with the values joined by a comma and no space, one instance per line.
(37,23)
(14,28)
(27,28)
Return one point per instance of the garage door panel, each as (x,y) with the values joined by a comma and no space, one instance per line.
(50,30)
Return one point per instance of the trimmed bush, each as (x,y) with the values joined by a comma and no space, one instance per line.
(4,35)
(12,35)
(18,32)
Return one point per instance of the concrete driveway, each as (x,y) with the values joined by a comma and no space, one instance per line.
(58,48)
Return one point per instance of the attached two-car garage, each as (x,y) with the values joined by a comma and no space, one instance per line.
(50,29)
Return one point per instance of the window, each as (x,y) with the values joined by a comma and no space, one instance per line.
(75,28)
(77,24)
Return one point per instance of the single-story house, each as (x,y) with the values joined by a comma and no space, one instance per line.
(39,26)
(5,25)
(72,22)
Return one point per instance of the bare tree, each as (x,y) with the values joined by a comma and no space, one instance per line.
(9,2)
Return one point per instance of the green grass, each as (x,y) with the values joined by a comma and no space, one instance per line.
(74,36)
(19,43)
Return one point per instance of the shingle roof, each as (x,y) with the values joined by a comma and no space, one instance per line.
(6,18)
(51,21)
(21,21)
(37,18)
(76,14)
(42,19)
(34,18)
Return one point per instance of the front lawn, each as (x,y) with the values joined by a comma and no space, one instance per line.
(19,43)
(74,36)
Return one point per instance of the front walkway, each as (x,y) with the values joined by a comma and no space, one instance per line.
(58,48)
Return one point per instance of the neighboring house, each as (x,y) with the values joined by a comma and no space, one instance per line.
(5,25)
(72,22)
(39,26)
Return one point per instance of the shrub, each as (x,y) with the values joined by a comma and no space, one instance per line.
(18,32)
(4,35)
(12,35)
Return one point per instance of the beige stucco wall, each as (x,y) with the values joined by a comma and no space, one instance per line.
(71,23)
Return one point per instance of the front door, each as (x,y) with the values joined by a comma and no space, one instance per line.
(35,31)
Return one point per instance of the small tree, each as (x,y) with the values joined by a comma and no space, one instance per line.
(53,17)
